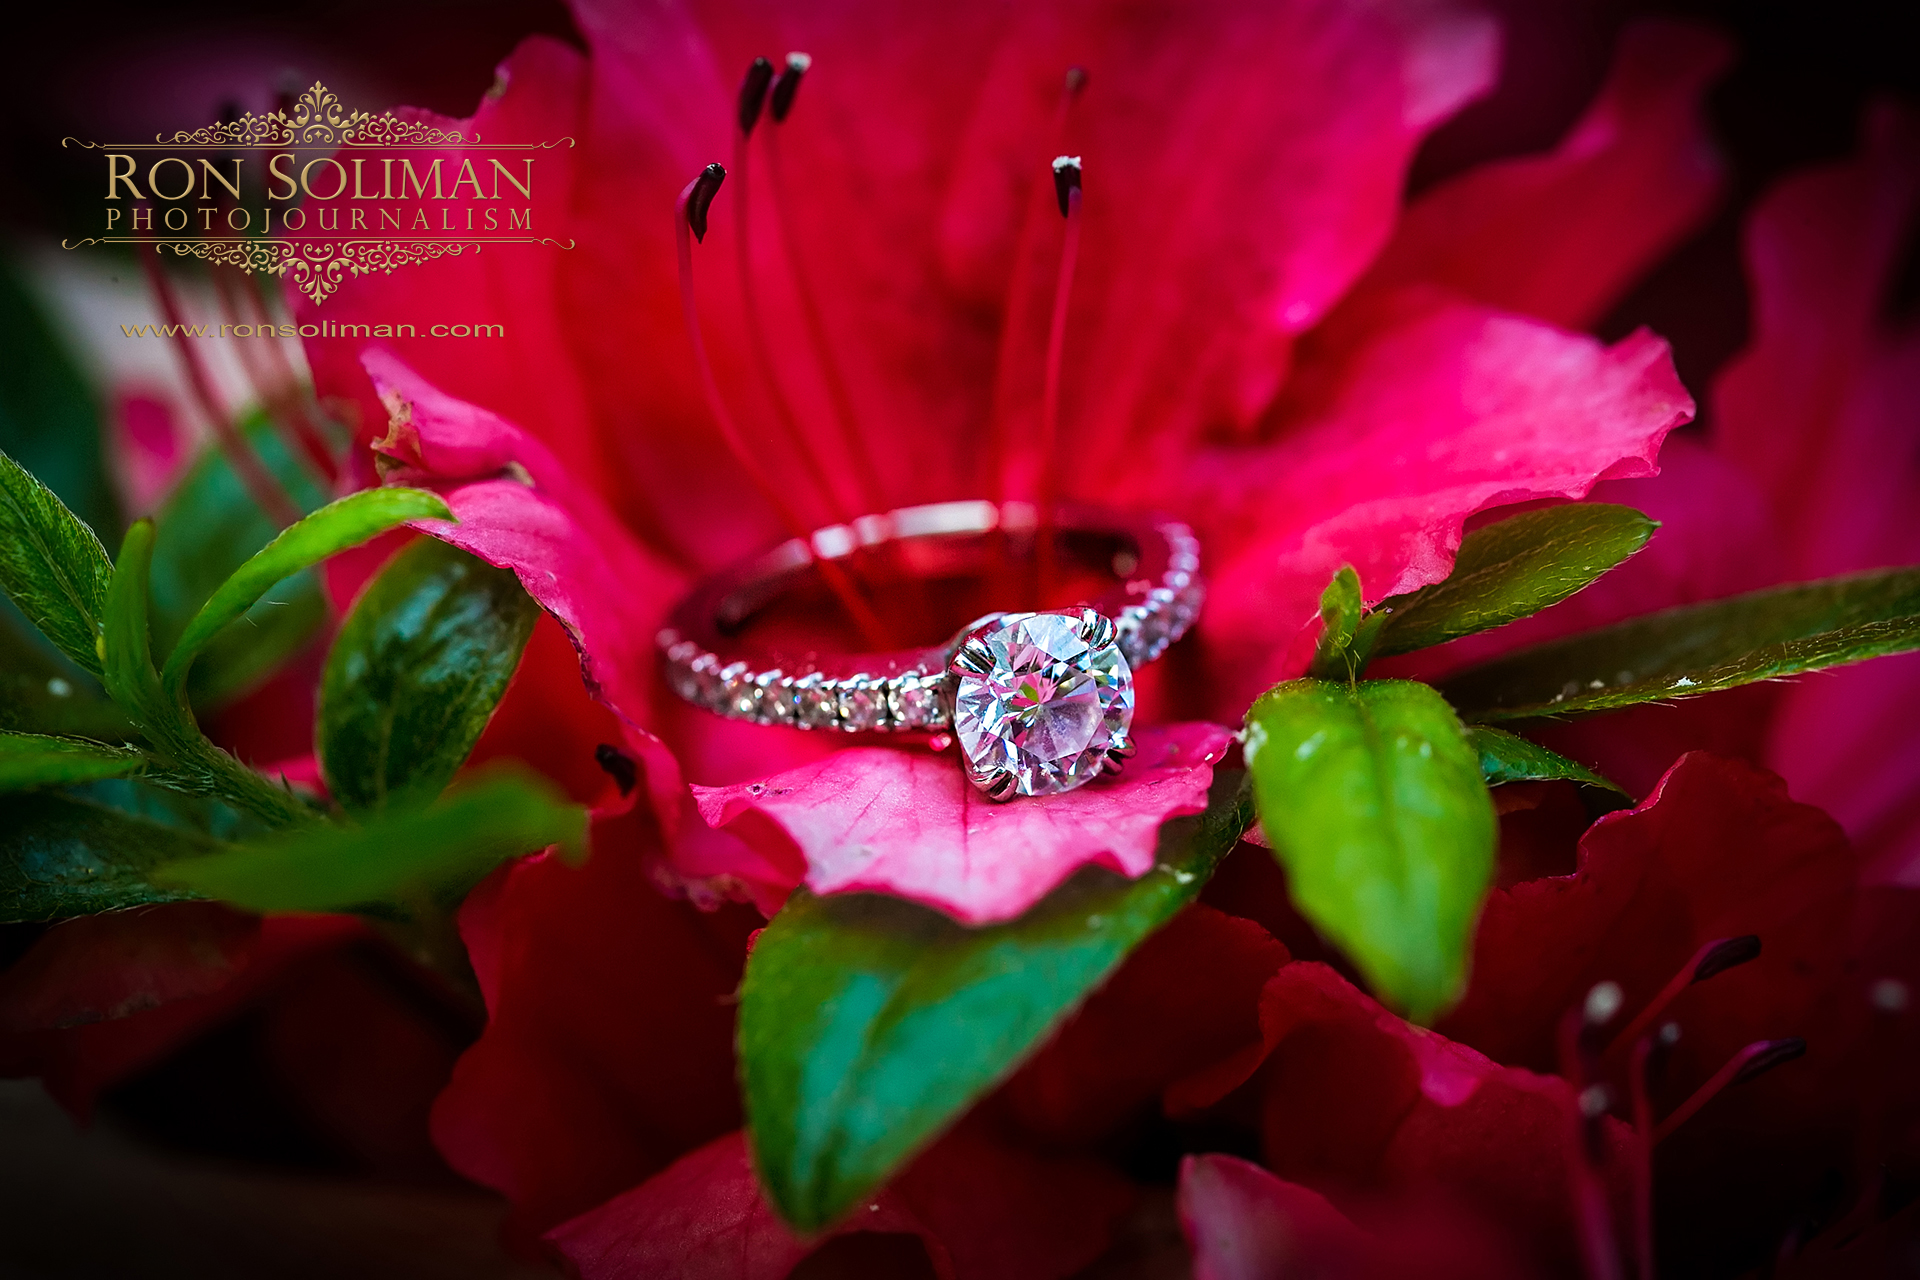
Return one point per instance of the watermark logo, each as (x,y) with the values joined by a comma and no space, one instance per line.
(317,193)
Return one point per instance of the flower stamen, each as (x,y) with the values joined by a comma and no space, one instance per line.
(1750,1063)
(1646,1060)
(1579,1056)
(260,483)
(1710,961)
(846,421)
(696,198)
(753,94)
(1066,185)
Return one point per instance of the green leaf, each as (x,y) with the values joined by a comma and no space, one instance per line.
(210,526)
(38,760)
(868,1023)
(51,565)
(1336,656)
(194,765)
(1372,799)
(1508,757)
(63,857)
(1700,648)
(416,672)
(335,527)
(1513,569)
(394,857)
(124,645)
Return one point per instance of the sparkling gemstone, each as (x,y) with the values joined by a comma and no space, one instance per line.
(816,703)
(862,706)
(1041,700)
(775,704)
(916,703)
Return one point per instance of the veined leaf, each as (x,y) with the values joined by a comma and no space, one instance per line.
(63,857)
(51,565)
(1372,799)
(335,527)
(209,526)
(1508,757)
(395,857)
(193,764)
(868,1023)
(1513,569)
(1700,648)
(415,673)
(38,760)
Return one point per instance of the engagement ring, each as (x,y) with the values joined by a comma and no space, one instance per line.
(1039,702)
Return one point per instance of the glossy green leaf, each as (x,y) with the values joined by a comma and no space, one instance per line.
(191,763)
(335,527)
(868,1024)
(394,857)
(209,526)
(63,857)
(1372,799)
(1700,648)
(1513,569)
(52,566)
(1508,757)
(40,760)
(415,673)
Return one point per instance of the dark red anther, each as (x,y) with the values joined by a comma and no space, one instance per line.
(1076,80)
(1711,960)
(618,766)
(1775,1053)
(1066,180)
(1755,1060)
(787,85)
(698,198)
(1728,953)
(753,92)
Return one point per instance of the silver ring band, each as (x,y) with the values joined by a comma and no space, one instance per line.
(1157,598)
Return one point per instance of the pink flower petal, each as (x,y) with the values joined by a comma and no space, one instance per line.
(1819,411)
(908,823)
(1718,850)
(1243,1223)
(1447,409)
(1355,1101)
(978,1207)
(1149,1025)
(518,506)
(608,1046)
(1563,235)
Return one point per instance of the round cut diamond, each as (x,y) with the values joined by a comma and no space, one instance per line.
(1042,701)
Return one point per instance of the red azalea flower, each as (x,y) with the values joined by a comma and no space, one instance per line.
(1212,368)
(1231,227)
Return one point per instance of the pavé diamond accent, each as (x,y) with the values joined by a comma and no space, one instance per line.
(916,702)
(816,703)
(863,705)
(1042,700)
